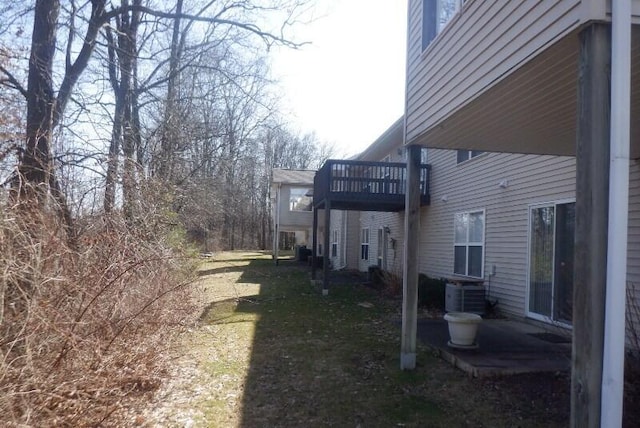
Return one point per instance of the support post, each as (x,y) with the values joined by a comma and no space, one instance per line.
(410,260)
(592,202)
(325,249)
(276,225)
(277,247)
(314,243)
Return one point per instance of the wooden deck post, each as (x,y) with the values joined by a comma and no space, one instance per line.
(325,247)
(276,248)
(592,210)
(314,248)
(410,260)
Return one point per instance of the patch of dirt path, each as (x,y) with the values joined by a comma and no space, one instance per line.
(203,384)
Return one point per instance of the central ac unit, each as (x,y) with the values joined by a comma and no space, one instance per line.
(465,298)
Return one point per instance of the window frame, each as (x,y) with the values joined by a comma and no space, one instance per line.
(432,25)
(364,243)
(467,244)
(292,202)
(424,156)
(334,243)
(467,154)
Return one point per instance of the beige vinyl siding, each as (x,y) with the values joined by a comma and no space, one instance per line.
(484,43)
(633,257)
(635,10)
(375,221)
(474,185)
(353,239)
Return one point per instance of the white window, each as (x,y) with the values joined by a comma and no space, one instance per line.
(436,14)
(334,243)
(465,155)
(299,199)
(364,244)
(468,247)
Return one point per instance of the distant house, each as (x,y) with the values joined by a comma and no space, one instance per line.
(291,204)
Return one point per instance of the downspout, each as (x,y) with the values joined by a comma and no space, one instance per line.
(614,328)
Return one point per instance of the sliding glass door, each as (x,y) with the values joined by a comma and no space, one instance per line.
(552,232)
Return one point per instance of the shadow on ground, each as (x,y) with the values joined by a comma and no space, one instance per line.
(333,361)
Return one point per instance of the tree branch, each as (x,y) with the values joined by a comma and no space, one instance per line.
(12,81)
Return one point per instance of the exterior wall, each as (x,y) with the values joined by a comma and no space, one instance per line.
(352,238)
(480,46)
(474,184)
(338,223)
(375,221)
(532,179)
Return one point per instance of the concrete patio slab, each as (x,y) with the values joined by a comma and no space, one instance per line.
(505,347)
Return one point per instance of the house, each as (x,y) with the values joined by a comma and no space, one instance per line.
(291,206)
(548,78)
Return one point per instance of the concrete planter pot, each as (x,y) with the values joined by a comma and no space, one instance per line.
(463,328)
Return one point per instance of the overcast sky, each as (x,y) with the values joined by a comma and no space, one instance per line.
(348,85)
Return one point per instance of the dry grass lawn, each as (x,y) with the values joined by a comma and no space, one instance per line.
(269,350)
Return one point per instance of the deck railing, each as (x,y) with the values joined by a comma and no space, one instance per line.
(378,179)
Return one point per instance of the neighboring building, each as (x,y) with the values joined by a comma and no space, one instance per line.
(365,195)
(291,205)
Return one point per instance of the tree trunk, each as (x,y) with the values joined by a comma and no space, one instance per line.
(36,163)
(167,139)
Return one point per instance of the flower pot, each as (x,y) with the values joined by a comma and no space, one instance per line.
(463,327)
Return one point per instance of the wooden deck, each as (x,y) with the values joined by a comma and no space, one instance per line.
(365,186)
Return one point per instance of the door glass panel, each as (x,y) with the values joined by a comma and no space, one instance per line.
(541,263)
(563,271)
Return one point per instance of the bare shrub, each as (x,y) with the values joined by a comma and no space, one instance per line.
(82,330)
(392,282)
